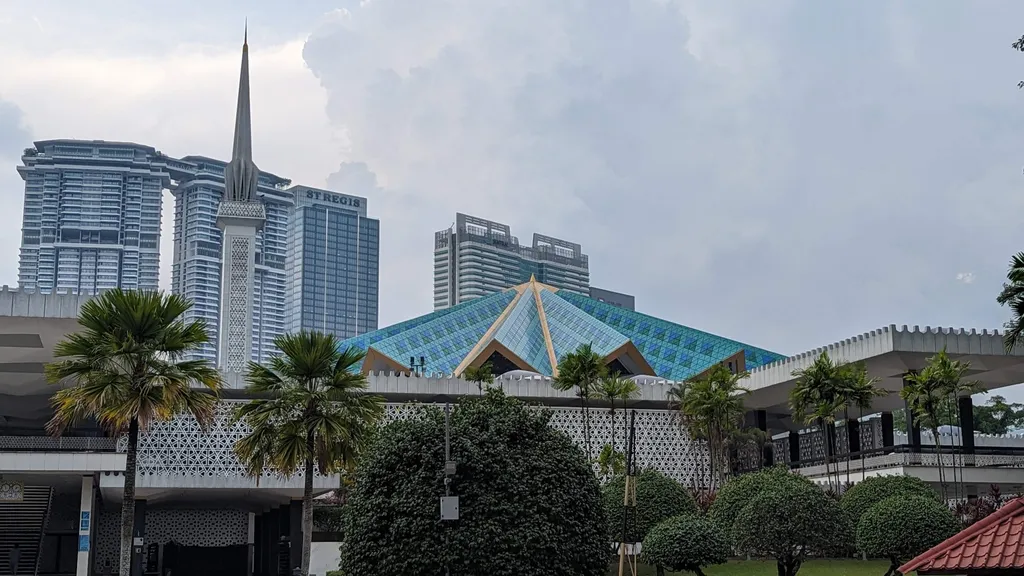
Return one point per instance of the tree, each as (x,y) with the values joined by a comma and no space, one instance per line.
(610,463)
(529,502)
(711,408)
(816,398)
(1012,294)
(581,370)
(790,521)
(658,498)
(857,390)
(730,500)
(928,390)
(613,389)
(685,542)
(311,409)
(863,495)
(995,417)
(125,370)
(481,375)
(903,526)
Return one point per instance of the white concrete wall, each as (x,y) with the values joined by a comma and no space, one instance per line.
(324,557)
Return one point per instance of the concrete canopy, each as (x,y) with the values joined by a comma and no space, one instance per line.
(888,354)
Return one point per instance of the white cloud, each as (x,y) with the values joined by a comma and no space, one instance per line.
(965,277)
(181,103)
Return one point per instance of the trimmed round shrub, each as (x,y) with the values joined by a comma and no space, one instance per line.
(789,521)
(529,502)
(903,526)
(862,496)
(685,543)
(658,498)
(739,491)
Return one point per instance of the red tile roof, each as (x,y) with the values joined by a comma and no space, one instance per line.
(996,542)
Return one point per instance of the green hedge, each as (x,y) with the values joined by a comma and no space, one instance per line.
(529,502)
(658,498)
(685,543)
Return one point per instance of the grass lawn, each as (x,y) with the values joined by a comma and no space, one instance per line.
(761,568)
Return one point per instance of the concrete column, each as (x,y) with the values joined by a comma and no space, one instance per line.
(252,542)
(139,538)
(258,542)
(85,520)
(853,437)
(913,426)
(794,448)
(888,432)
(295,535)
(966,406)
(768,451)
(273,541)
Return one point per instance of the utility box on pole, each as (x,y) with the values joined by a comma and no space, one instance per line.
(449,508)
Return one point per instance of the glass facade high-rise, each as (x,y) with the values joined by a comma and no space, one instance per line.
(477,257)
(91,219)
(195,271)
(333,260)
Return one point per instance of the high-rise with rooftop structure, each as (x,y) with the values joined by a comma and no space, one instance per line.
(92,216)
(478,257)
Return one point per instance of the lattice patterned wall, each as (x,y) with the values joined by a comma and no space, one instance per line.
(188,527)
(180,447)
(197,527)
(660,442)
(238,338)
(106,540)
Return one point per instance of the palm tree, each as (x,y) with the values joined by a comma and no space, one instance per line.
(311,408)
(124,369)
(581,370)
(858,390)
(816,398)
(711,408)
(1012,295)
(481,375)
(613,388)
(927,391)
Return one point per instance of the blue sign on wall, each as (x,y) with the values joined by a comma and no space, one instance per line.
(85,522)
(83,542)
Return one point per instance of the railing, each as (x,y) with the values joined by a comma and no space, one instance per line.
(914,456)
(62,444)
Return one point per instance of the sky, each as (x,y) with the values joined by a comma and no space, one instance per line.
(787,173)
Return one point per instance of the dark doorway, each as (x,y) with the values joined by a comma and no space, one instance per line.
(206,561)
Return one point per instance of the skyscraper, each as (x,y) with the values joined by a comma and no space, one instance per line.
(477,257)
(333,257)
(92,216)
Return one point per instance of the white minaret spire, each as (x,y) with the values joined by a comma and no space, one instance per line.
(240,215)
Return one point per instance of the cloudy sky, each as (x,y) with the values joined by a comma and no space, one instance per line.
(785,172)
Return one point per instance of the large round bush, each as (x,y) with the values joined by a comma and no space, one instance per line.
(790,521)
(862,496)
(529,502)
(685,543)
(739,491)
(903,526)
(658,498)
